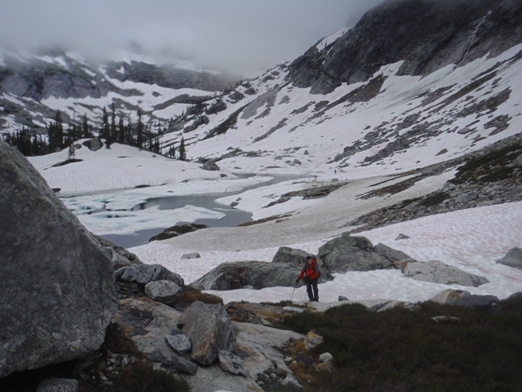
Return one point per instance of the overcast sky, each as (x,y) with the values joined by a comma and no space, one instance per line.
(243,36)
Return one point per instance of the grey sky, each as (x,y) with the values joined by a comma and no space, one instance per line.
(244,36)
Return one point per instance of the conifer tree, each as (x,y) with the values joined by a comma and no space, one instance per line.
(85,127)
(121,131)
(114,133)
(182,156)
(105,126)
(139,136)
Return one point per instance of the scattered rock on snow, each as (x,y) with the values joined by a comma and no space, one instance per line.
(437,272)
(513,258)
(346,253)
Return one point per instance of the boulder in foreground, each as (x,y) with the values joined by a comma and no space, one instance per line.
(58,292)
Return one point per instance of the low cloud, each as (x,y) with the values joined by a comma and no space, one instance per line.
(242,36)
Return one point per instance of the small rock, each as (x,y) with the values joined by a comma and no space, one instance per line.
(232,363)
(292,309)
(401,237)
(161,290)
(342,298)
(324,367)
(189,256)
(291,383)
(313,340)
(325,357)
(186,367)
(180,342)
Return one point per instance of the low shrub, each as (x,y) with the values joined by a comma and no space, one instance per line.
(404,350)
(142,377)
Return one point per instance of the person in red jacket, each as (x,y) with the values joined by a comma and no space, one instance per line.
(310,273)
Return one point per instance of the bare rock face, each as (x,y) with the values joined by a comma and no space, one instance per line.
(451,32)
(58,293)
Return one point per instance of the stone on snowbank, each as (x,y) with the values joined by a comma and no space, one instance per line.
(437,272)
(58,292)
(513,258)
(347,253)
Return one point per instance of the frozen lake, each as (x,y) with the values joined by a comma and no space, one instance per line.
(131,217)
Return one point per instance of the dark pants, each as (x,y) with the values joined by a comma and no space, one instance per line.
(311,285)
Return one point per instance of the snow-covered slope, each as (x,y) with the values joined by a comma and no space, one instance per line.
(363,135)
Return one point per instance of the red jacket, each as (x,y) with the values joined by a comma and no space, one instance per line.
(310,270)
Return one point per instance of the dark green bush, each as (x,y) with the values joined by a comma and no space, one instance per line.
(403,350)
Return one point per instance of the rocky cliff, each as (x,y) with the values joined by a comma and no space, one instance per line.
(425,35)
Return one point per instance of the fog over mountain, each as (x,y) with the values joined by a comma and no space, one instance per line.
(244,37)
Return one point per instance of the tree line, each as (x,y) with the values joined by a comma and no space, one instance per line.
(31,143)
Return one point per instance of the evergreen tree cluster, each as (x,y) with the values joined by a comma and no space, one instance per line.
(33,142)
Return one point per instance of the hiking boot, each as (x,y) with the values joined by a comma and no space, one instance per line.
(316,299)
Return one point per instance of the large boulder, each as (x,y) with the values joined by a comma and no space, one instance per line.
(146,273)
(210,330)
(297,258)
(247,274)
(437,272)
(58,291)
(346,253)
(513,258)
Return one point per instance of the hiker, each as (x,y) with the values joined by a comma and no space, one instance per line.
(310,274)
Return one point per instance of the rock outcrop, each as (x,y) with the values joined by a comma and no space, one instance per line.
(451,32)
(247,274)
(58,287)
(346,253)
